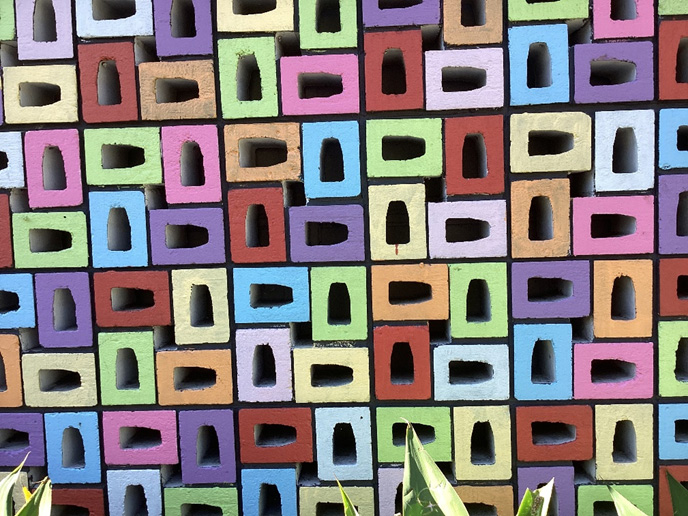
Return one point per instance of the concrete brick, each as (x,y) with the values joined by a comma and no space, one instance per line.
(331,375)
(207,458)
(497,498)
(343,318)
(223,499)
(263,295)
(315,499)
(11,145)
(642,496)
(59,380)
(316,233)
(672,126)
(6,258)
(38,38)
(91,501)
(201,312)
(314,31)
(113,22)
(669,76)
(680,473)
(389,490)
(671,353)
(259,378)
(533,478)
(637,24)
(672,7)
(398,374)
(338,457)
(275,435)
(61,322)
(245,19)
(672,196)
(18,301)
(7,31)
(672,276)
(140,438)
(50,240)
(522,10)
(425,12)
(483,29)
(671,432)
(22,437)
(183,31)
(432,424)
(73,447)
(252,491)
(482,442)
(475,372)
(125,486)
(10,371)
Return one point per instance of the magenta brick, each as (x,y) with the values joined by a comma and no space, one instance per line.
(140,438)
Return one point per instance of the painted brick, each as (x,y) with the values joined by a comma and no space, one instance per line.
(336,461)
(10,371)
(256,380)
(331,375)
(260,442)
(60,380)
(638,24)
(433,423)
(140,438)
(60,325)
(50,240)
(22,435)
(475,372)
(473,31)
(177,34)
(122,487)
(66,465)
(201,463)
(393,379)
(471,460)
(89,24)
(252,482)
(34,40)
(327,322)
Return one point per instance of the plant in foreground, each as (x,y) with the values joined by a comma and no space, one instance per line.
(37,503)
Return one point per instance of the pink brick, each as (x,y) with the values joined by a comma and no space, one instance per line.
(147,448)
(627,25)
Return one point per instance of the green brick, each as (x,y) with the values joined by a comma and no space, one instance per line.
(7,20)
(310,38)
(429,164)
(109,346)
(439,418)
(668,7)
(224,498)
(670,335)
(522,10)
(642,496)
(460,276)
(26,236)
(148,172)
(355,280)
(229,53)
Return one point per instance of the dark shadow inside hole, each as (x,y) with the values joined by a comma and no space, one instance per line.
(402,370)
(44,21)
(545,433)
(73,455)
(398,229)
(480,509)
(4,160)
(269,435)
(467,372)
(185,236)
(681,369)
(681,431)
(623,10)
(125,299)
(135,503)
(623,299)
(624,449)
(3,380)
(328,16)
(329,509)
(139,437)
(402,148)
(269,501)
(482,444)
(118,230)
(682,287)
(549,143)
(478,302)
(463,78)
(266,295)
(625,151)
(611,72)
(207,447)
(9,301)
(200,509)
(474,157)
(682,215)
(121,156)
(331,375)
(397,4)
(319,85)
(426,433)
(539,66)
(183,19)
(326,233)
(247,7)
(13,440)
(64,310)
(191,168)
(549,289)
(262,152)
(611,371)
(540,219)
(169,91)
(38,94)
(603,508)
(113,9)
(338,304)
(248,79)
(393,75)
(126,370)
(331,161)
(257,226)
(611,225)
(53,169)
(682,61)
(409,292)
(543,364)
(343,445)
(682,138)
(49,240)
(201,307)
(109,90)
(473,13)
(58,380)
(194,378)
(466,230)
(264,368)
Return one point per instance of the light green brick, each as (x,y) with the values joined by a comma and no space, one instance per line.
(330,325)
(36,246)
(427,164)
(671,333)
(224,498)
(524,10)
(668,7)
(230,51)
(493,322)
(390,438)
(345,37)
(127,368)
(642,496)
(104,166)
(7,32)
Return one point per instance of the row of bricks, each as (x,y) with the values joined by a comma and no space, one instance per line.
(184,27)
(616,439)
(329,84)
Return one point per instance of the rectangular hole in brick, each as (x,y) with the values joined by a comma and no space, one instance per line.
(435,190)
(682,287)
(331,161)
(466,230)
(397,228)
(611,72)
(397,4)
(163,337)
(191,169)
(267,295)
(681,368)
(469,372)
(13,440)
(247,7)
(64,310)
(307,473)
(402,148)
(399,499)
(409,292)
(401,366)
(480,509)
(139,437)
(584,472)
(326,233)
(682,215)
(549,289)
(69,510)
(171,475)
(44,22)
(623,10)
(9,301)
(175,90)
(194,378)
(319,85)
(580,32)
(109,90)
(53,169)
(393,74)
(623,299)
(549,143)
(331,375)
(338,304)
(49,240)
(135,503)
(681,431)
(28,338)
(58,380)
(269,500)
(327,16)
(611,370)
(343,445)
(126,370)
(478,303)
(185,236)
(625,151)
(540,219)
(329,509)
(682,61)
(543,364)
(539,66)
(473,13)
(301,333)
(426,433)
(257,227)
(144,49)
(154,197)
(264,369)
(262,152)
(439,331)
(5,161)
(8,54)
(624,449)
(38,94)
(463,78)
(294,193)
(546,433)
(201,307)
(183,19)
(118,230)
(73,455)
(207,447)
(248,79)
(125,299)
(271,434)
(447,469)
(3,374)
(603,508)
(121,156)
(482,444)
(113,9)
(474,157)
(582,329)
(581,184)
(682,138)
(200,509)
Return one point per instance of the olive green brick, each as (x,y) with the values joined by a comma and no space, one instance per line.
(223,498)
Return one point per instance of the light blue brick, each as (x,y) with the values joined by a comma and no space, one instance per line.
(75,472)
(295,278)
(21,286)
(359,467)
(148,479)
(12,176)
(496,358)
(283,479)
(670,120)
(672,437)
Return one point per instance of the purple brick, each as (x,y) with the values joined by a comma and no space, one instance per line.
(66,328)
(534,294)
(311,232)
(169,45)
(21,434)
(637,52)
(218,465)
(563,477)
(187,236)
(671,190)
(388,480)
(427,12)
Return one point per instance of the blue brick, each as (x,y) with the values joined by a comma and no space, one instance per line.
(20,285)
(325,421)
(283,479)
(87,425)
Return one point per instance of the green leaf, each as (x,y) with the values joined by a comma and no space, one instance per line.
(536,503)
(6,488)
(526,504)
(623,506)
(426,490)
(679,495)
(40,502)
(349,509)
